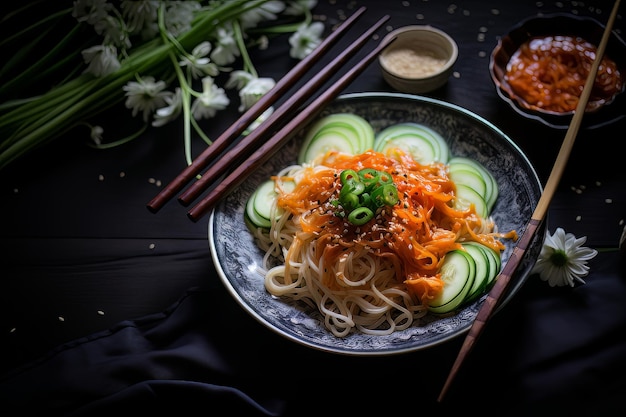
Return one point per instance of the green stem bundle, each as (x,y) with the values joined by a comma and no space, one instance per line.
(29,123)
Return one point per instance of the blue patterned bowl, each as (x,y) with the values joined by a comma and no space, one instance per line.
(236,255)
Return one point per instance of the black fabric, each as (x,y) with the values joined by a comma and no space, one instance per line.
(547,352)
(163,362)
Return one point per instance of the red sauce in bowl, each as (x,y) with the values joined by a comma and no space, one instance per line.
(549,73)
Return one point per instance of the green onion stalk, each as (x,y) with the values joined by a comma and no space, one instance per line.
(29,123)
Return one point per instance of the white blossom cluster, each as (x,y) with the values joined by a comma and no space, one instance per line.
(191,88)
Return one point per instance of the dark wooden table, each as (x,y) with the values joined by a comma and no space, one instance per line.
(106,306)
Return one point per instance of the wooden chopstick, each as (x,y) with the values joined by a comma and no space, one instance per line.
(247,144)
(538,215)
(232,132)
(269,148)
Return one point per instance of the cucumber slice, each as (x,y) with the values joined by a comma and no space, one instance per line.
(327,141)
(457,272)
(254,217)
(461,174)
(264,197)
(423,144)
(259,205)
(360,126)
(344,132)
(491,193)
(465,196)
(483,270)
(495,262)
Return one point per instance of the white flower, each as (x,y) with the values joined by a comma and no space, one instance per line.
(96,134)
(91,11)
(563,259)
(114,31)
(305,40)
(257,122)
(198,63)
(266,11)
(170,112)
(299,7)
(253,91)
(238,79)
(210,101)
(226,48)
(101,60)
(139,14)
(146,95)
(179,15)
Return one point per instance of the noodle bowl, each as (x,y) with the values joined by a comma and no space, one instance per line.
(376,278)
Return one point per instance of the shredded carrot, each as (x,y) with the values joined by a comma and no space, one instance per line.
(415,234)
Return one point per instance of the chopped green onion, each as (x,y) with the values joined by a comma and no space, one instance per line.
(360,216)
(348,174)
(387,195)
(363,193)
(350,201)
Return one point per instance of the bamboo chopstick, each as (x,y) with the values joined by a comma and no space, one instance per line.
(538,215)
(232,132)
(247,144)
(269,148)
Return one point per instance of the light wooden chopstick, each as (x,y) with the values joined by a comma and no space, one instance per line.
(248,144)
(237,128)
(269,148)
(538,215)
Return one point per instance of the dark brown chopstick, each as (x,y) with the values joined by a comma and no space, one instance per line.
(269,148)
(235,130)
(538,215)
(247,144)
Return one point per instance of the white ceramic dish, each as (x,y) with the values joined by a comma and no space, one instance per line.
(236,254)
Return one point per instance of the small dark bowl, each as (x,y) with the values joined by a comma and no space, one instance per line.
(567,25)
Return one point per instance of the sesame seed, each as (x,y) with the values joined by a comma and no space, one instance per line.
(608,200)
(122,174)
(100,313)
(151,246)
(61,318)
(578,218)
(100,177)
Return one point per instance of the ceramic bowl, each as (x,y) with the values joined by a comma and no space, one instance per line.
(238,257)
(420,60)
(563,25)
